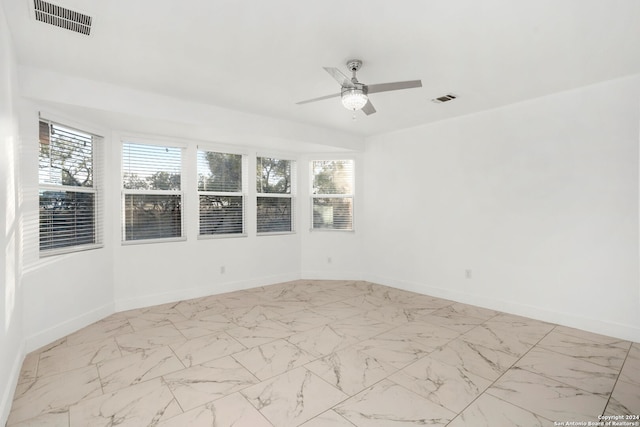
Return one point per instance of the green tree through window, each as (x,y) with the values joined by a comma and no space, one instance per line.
(69,203)
(221,194)
(275,199)
(152,191)
(332,194)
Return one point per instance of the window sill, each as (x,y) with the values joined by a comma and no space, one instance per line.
(275,233)
(149,241)
(221,236)
(331,230)
(69,250)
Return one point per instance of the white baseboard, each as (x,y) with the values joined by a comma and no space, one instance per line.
(329,275)
(62,329)
(201,291)
(9,388)
(622,331)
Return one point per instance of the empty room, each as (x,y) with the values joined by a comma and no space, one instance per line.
(319,214)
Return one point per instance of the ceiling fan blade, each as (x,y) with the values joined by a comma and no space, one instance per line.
(339,76)
(368,108)
(386,87)
(318,99)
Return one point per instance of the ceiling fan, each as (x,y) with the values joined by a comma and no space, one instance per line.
(355,94)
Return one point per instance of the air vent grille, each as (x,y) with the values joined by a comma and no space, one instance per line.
(62,17)
(444,98)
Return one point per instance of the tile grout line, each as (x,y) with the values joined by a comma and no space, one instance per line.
(165,384)
(617,378)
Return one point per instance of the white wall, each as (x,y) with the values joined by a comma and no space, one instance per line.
(66,292)
(11,343)
(539,200)
(331,254)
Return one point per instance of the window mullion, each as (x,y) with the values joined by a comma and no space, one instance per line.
(152,192)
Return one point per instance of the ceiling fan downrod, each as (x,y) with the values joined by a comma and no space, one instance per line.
(354,65)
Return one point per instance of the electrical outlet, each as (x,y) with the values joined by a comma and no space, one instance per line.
(329,260)
(223,269)
(467,273)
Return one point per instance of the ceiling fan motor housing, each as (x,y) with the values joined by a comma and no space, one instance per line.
(354,65)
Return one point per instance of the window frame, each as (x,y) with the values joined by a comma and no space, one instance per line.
(291,195)
(242,193)
(314,196)
(125,192)
(97,157)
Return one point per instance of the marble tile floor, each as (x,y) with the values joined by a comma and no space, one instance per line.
(325,354)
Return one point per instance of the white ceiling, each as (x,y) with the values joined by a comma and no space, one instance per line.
(262,57)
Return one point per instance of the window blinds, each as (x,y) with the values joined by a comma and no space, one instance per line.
(274,203)
(221,193)
(151,167)
(152,195)
(332,194)
(70,208)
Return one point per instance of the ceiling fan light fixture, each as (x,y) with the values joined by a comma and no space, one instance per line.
(354,98)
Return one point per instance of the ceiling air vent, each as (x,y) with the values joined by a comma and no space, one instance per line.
(444,98)
(62,17)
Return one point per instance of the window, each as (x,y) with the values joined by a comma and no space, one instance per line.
(332,194)
(221,193)
(275,196)
(151,192)
(70,205)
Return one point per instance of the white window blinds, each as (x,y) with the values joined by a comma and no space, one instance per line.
(332,194)
(221,193)
(152,192)
(70,205)
(275,200)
